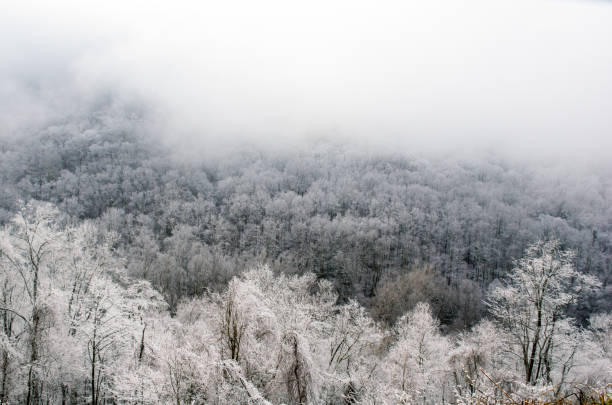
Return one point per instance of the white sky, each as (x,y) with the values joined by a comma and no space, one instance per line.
(532,77)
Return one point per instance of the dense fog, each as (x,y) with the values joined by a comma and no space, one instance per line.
(320,203)
(525,77)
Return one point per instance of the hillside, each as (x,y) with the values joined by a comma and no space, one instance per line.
(363,220)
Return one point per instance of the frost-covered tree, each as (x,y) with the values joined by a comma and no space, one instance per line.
(480,354)
(418,359)
(594,355)
(531,308)
(354,345)
(26,252)
(69,324)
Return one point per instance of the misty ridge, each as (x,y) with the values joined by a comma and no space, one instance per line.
(323,203)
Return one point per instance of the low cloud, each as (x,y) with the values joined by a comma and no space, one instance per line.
(520,77)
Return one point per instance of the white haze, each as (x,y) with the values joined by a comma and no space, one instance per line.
(532,78)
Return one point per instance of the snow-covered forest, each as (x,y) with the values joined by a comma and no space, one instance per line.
(326,202)
(322,276)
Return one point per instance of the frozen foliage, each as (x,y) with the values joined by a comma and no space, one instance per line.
(68,320)
(76,329)
(531,308)
(418,360)
(368,222)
